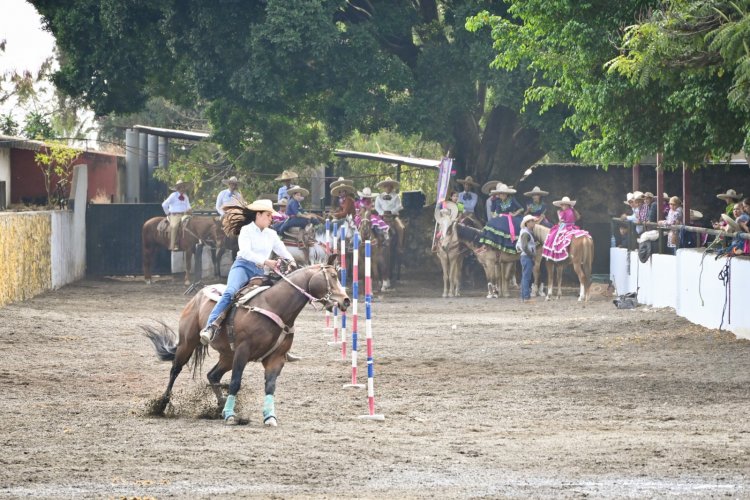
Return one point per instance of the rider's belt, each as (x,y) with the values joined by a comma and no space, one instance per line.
(176,213)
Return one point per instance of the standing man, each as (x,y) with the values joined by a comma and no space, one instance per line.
(176,206)
(526,246)
(287,176)
(229,196)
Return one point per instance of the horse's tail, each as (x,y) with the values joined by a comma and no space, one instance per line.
(165,346)
(588,259)
(163,339)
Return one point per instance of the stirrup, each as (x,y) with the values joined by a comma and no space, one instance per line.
(207,334)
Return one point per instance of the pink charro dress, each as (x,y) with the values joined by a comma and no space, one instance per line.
(561,234)
(377,221)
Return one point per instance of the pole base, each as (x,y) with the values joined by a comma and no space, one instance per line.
(355,386)
(335,343)
(372,417)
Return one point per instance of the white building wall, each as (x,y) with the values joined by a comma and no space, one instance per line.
(689,283)
(69,235)
(5,171)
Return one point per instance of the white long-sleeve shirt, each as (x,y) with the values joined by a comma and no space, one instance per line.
(174,205)
(393,205)
(227,197)
(256,245)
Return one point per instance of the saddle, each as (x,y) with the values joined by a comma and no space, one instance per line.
(163,227)
(294,236)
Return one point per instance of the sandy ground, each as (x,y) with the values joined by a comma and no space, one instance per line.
(543,400)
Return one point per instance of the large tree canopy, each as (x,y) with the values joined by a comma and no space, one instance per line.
(574,49)
(325,67)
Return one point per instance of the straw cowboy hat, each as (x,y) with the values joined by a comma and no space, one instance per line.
(297,189)
(695,215)
(346,188)
(731,194)
(487,186)
(526,220)
(502,189)
(182,184)
(388,182)
(638,195)
(284,202)
(262,206)
(469,181)
(287,175)
(565,201)
(231,180)
(648,194)
(340,181)
(536,191)
(366,193)
(731,223)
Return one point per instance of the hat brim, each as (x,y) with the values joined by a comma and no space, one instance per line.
(287,176)
(261,207)
(382,184)
(503,191)
(538,193)
(560,203)
(487,186)
(731,223)
(227,182)
(342,187)
(292,192)
(465,182)
(362,194)
(187,185)
(725,197)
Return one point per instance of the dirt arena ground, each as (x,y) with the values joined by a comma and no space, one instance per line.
(518,401)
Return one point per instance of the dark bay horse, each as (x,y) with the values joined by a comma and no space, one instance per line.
(198,228)
(263,331)
(580,256)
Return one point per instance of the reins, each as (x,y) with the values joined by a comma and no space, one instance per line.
(312,300)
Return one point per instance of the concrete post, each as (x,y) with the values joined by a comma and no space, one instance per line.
(153,158)
(143,165)
(132,176)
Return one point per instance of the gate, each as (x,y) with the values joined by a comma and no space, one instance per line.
(113,239)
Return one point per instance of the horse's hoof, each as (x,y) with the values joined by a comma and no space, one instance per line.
(271,422)
(231,420)
(489,295)
(445,295)
(148,282)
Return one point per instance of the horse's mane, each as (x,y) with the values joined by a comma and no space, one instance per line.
(236,216)
(468,233)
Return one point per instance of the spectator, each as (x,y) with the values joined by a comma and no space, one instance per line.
(674,217)
(731,198)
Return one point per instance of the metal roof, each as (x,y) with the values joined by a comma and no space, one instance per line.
(172,133)
(389,158)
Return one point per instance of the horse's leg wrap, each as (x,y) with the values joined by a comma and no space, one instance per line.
(269,410)
(229,407)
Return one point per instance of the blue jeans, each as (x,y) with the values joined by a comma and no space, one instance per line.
(527,267)
(291,222)
(240,273)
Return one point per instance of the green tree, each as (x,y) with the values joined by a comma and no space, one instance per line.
(56,163)
(568,45)
(288,79)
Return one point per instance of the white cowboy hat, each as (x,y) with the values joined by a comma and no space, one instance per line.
(526,220)
(695,215)
(388,182)
(565,201)
(731,194)
(262,206)
(184,184)
(468,181)
(449,210)
(487,186)
(366,193)
(731,223)
(231,180)
(297,189)
(343,187)
(340,181)
(628,198)
(536,191)
(502,189)
(638,195)
(287,175)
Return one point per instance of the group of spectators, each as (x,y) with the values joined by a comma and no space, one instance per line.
(643,208)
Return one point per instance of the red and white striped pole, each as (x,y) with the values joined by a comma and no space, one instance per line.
(335,309)
(355,300)
(368,335)
(342,257)
(328,252)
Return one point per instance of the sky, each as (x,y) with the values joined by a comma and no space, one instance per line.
(27,44)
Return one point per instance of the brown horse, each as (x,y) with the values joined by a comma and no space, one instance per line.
(263,331)
(380,254)
(451,253)
(498,266)
(196,229)
(580,255)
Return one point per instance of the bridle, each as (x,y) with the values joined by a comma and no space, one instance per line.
(324,300)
